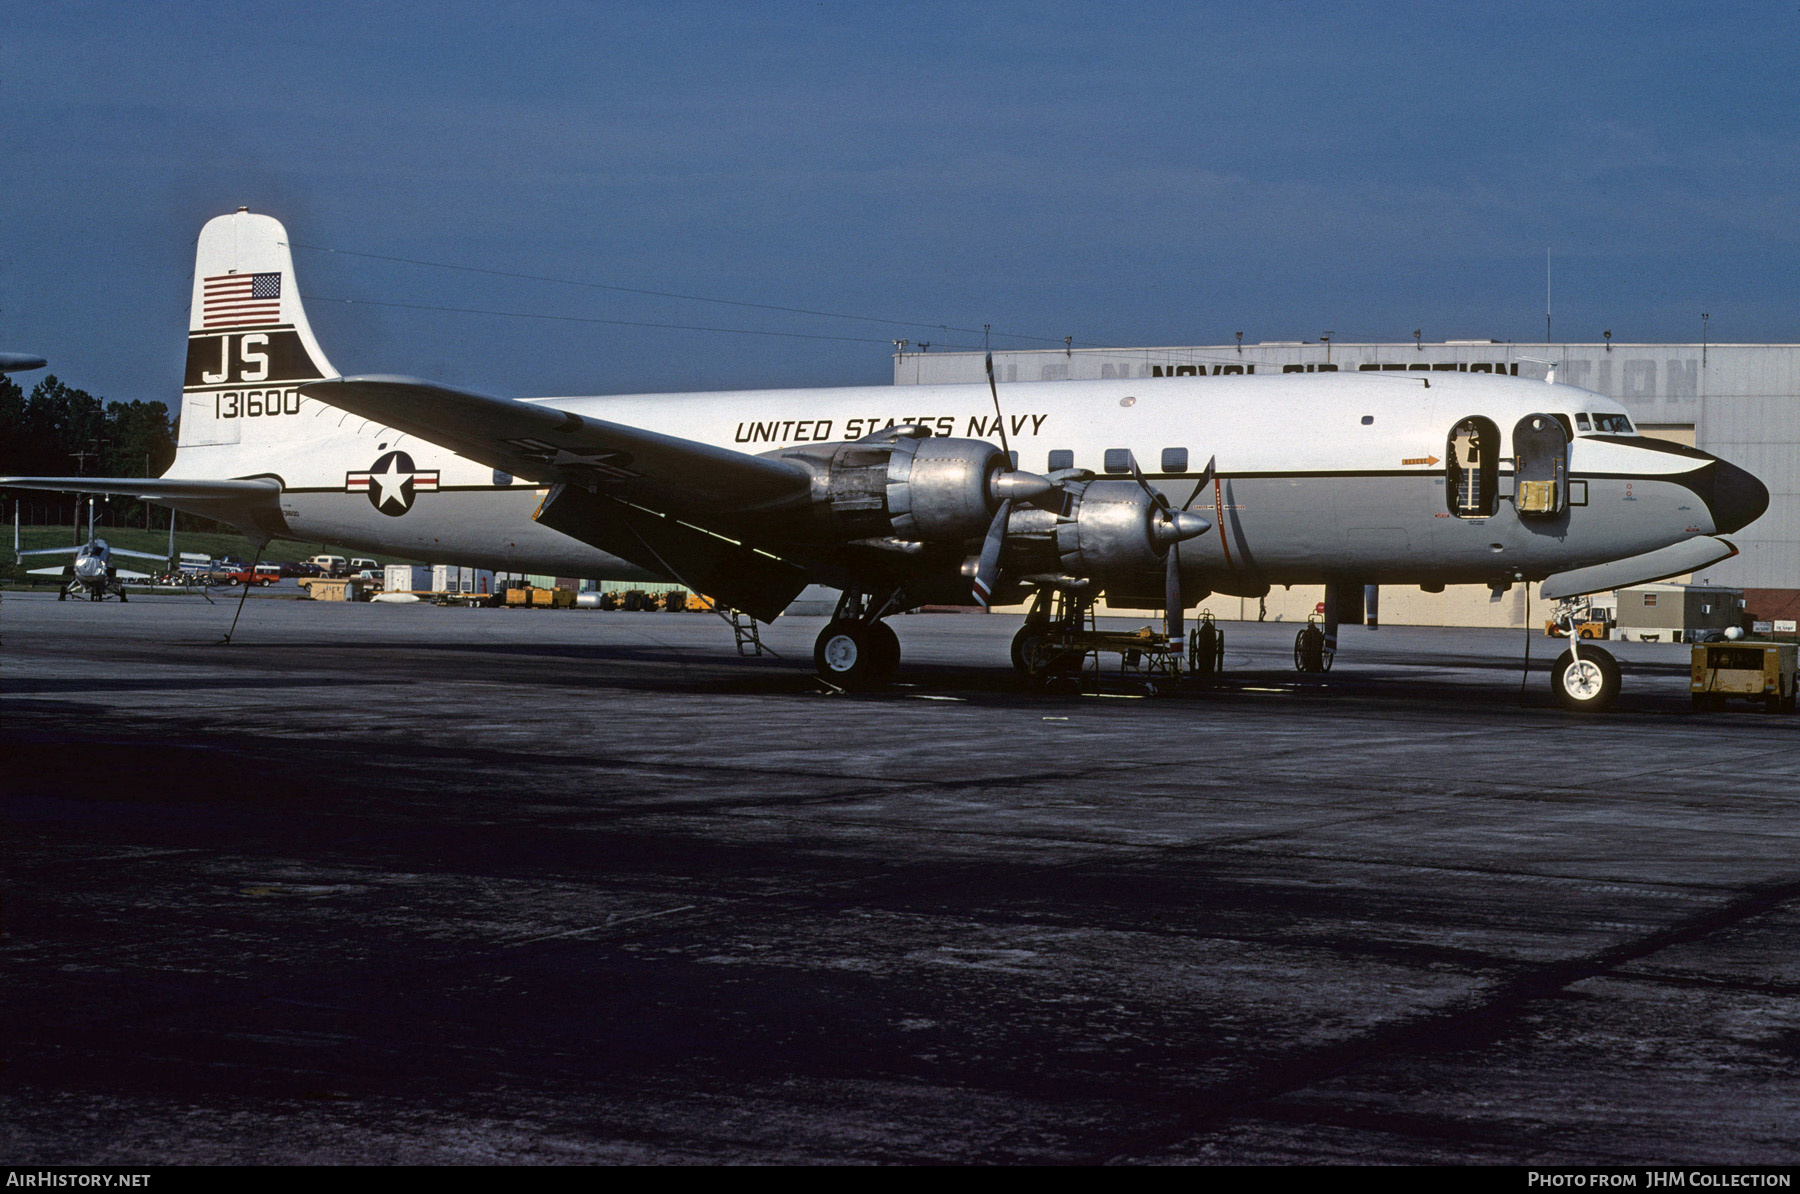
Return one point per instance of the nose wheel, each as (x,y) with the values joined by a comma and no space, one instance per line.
(1585,684)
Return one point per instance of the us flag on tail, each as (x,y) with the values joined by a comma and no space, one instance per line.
(231,300)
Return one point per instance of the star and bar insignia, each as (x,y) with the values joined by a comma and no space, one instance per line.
(392,483)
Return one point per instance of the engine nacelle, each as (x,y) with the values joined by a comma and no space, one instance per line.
(1103,531)
(1106,530)
(907,489)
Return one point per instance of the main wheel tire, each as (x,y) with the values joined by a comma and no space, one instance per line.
(1023,642)
(884,645)
(1048,661)
(843,654)
(1588,684)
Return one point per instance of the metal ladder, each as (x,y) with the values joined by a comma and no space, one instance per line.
(744,628)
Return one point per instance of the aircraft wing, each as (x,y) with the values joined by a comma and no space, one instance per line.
(1686,556)
(550,446)
(251,504)
(657,500)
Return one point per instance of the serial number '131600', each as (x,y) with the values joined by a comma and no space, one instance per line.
(233,404)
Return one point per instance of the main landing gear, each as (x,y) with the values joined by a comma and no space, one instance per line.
(1311,652)
(857,649)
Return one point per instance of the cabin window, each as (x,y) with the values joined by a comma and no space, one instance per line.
(1174,460)
(502,478)
(1368,420)
(1118,460)
(1612,424)
(1581,421)
(1472,457)
(1061,458)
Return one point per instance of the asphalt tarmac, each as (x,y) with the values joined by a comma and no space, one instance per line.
(402,884)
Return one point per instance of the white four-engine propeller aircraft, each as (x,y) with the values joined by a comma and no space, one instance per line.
(1153,492)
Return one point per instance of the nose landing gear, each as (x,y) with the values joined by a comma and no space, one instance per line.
(1588,683)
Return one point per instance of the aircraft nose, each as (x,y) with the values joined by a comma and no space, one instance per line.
(1738,498)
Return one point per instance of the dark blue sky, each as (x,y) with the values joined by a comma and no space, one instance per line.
(1153,174)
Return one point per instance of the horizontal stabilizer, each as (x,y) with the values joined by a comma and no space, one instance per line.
(551,446)
(253,505)
(151,489)
(1661,564)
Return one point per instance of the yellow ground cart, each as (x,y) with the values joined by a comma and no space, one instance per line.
(1750,670)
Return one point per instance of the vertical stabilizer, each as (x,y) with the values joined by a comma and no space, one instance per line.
(249,345)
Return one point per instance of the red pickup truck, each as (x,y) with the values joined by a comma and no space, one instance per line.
(263,574)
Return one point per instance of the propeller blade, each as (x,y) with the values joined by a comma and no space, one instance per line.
(987,569)
(1137,474)
(998,417)
(1200,485)
(1173,606)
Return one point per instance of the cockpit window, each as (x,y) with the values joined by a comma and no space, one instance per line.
(1581,421)
(1611,424)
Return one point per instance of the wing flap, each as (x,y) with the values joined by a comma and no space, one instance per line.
(541,443)
(731,573)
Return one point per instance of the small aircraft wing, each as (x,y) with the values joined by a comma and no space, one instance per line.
(46,571)
(117,551)
(551,446)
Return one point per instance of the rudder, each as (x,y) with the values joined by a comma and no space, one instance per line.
(249,345)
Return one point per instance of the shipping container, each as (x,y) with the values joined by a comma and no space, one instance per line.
(406,578)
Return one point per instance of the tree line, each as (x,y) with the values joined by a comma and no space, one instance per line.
(59,431)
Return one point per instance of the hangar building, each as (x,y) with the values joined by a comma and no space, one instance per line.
(1739,401)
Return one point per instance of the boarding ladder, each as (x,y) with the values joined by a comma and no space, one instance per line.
(743,626)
